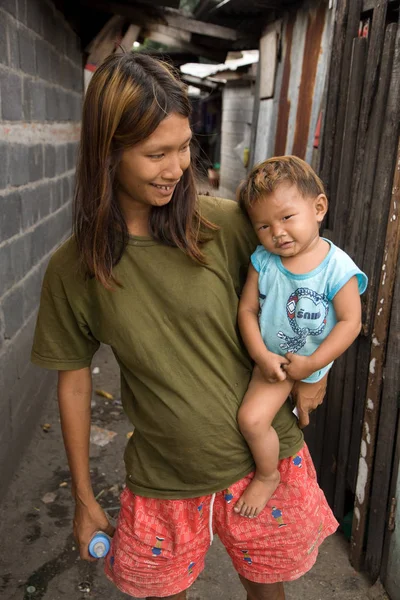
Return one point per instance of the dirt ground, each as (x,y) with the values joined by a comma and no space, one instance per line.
(38,557)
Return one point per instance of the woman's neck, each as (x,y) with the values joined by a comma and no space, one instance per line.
(136,217)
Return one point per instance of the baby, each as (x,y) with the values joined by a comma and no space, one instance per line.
(300,308)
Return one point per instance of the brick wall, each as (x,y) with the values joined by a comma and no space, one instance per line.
(40,103)
(237,115)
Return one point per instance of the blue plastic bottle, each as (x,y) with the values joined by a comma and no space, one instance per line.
(99,544)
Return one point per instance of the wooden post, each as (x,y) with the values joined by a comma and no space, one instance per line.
(380,497)
(377,359)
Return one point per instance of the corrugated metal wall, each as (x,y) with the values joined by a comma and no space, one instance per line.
(287,121)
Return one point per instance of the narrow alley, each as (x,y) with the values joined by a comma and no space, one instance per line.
(39,559)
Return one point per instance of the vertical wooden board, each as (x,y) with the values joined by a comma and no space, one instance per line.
(353,20)
(355,85)
(382,185)
(332,428)
(363,350)
(376,42)
(379,336)
(390,390)
(332,96)
(330,131)
(345,432)
(356,230)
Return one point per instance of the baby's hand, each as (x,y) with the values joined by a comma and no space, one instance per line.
(299,367)
(271,367)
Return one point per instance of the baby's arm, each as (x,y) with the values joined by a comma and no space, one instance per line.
(269,363)
(347,305)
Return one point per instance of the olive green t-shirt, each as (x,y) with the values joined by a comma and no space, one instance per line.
(173,330)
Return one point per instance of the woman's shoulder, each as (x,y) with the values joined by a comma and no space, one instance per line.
(220,210)
(64,263)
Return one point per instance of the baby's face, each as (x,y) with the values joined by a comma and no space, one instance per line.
(286,222)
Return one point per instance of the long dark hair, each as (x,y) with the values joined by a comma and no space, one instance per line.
(127,98)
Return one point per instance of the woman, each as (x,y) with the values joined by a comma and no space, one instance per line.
(156,272)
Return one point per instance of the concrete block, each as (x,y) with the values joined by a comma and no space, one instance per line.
(52,103)
(13,311)
(56,195)
(31,292)
(50,26)
(49,160)
(13,45)
(35,203)
(64,107)
(11,90)
(10,215)
(66,185)
(34,100)
(18,170)
(3,42)
(6,270)
(76,108)
(72,150)
(60,158)
(27,58)
(10,6)
(54,65)
(21,255)
(35,157)
(40,240)
(73,47)
(22,10)
(42,51)
(34,12)
(3,164)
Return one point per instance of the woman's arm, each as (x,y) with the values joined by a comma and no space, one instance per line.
(347,305)
(74,398)
(269,363)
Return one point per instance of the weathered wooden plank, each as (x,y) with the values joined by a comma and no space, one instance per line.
(341,35)
(329,448)
(382,184)
(389,402)
(357,221)
(345,430)
(355,86)
(175,19)
(376,42)
(381,321)
(353,21)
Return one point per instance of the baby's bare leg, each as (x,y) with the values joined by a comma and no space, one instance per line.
(259,407)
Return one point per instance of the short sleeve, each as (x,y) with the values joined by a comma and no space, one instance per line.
(342,270)
(62,340)
(260,258)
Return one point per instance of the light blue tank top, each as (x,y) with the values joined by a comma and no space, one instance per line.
(296,310)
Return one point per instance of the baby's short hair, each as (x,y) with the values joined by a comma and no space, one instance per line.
(268,175)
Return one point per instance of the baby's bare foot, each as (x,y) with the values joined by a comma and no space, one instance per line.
(257,494)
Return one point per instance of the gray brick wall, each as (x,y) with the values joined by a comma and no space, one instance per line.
(41,81)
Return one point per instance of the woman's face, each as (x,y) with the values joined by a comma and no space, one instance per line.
(149,171)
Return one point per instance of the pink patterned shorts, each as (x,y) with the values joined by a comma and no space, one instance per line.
(159,546)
